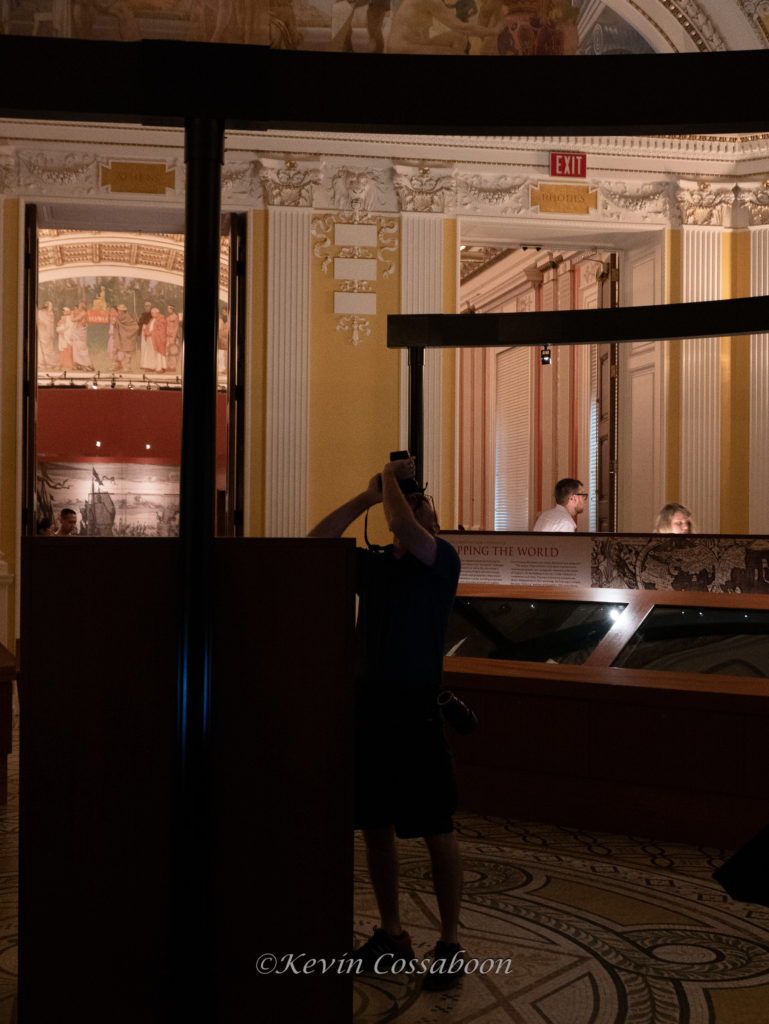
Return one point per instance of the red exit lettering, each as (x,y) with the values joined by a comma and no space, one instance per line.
(568,165)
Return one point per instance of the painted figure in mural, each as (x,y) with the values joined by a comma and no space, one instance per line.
(64,334)
(674,518)
(223,341)
(67,523)
(172,338)
(112,317)
(126,331)
(284,33)
(81,357)
(404,778)
(147,361)
(46,334)
(157,333)
(570,502)
(412,23)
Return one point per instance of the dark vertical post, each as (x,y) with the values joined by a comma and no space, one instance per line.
(191,867)
(416,407)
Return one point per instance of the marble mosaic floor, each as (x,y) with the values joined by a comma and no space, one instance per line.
(589,929)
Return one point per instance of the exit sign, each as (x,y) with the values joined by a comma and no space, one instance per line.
(568,165)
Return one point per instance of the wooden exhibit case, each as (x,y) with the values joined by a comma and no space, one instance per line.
(636,711)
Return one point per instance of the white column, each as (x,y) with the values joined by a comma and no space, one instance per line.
(701,385)
(422,292)
(759,390)
(288,344)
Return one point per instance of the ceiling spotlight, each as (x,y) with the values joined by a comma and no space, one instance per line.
(114,383)
(95,384)
(546,356)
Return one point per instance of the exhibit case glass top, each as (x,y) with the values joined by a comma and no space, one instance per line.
(528,629)
(714,641)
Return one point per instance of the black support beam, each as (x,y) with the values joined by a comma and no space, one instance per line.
(722,318)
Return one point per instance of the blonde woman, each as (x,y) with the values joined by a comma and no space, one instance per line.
(674,518)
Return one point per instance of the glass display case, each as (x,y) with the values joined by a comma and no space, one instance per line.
(661,631)
(524,629)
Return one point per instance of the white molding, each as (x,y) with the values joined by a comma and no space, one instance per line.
(288,345)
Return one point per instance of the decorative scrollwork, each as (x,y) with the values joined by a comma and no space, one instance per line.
(357,325)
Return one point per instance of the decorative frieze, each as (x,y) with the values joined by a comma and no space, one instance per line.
(288,182)
(702,203)
(74,173)
(755,200)
(358,189)
(501,194)
(649,201)
(424,189)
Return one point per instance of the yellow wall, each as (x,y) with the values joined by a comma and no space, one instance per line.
(10,448)
(354,399)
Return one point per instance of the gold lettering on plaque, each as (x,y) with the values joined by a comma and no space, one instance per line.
(149,179)
(564,198)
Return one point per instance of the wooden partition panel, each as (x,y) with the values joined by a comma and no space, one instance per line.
(97,691)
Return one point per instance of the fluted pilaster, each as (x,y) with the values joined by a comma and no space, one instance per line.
(422,292)
(759,391)
(288,339)
(700,389)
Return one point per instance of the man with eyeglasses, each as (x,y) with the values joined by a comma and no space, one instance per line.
(570,499)
(404,776)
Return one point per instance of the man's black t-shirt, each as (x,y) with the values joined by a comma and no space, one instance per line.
(404,606)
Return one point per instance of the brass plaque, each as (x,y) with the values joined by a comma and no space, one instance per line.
(564,198)
(149,179)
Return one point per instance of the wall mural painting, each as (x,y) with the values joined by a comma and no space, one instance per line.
(499,27)
(110,499)
(518,27)
(109,326)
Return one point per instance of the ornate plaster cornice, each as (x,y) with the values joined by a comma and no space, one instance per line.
(755,200)
(703,205)
(288,181)
(494,193)
(358,189)
(652,201)
(424,189)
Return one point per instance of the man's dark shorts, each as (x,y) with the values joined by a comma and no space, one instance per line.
(404,772)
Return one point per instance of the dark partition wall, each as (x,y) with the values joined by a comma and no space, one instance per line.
(98,690)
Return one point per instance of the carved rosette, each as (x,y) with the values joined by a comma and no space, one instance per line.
(498,194)
(424,189)
(289,182)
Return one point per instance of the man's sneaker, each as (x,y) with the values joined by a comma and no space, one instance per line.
(447,967)
(382,951)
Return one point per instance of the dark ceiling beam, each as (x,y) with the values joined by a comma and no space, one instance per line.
(166,81)
(580,326)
